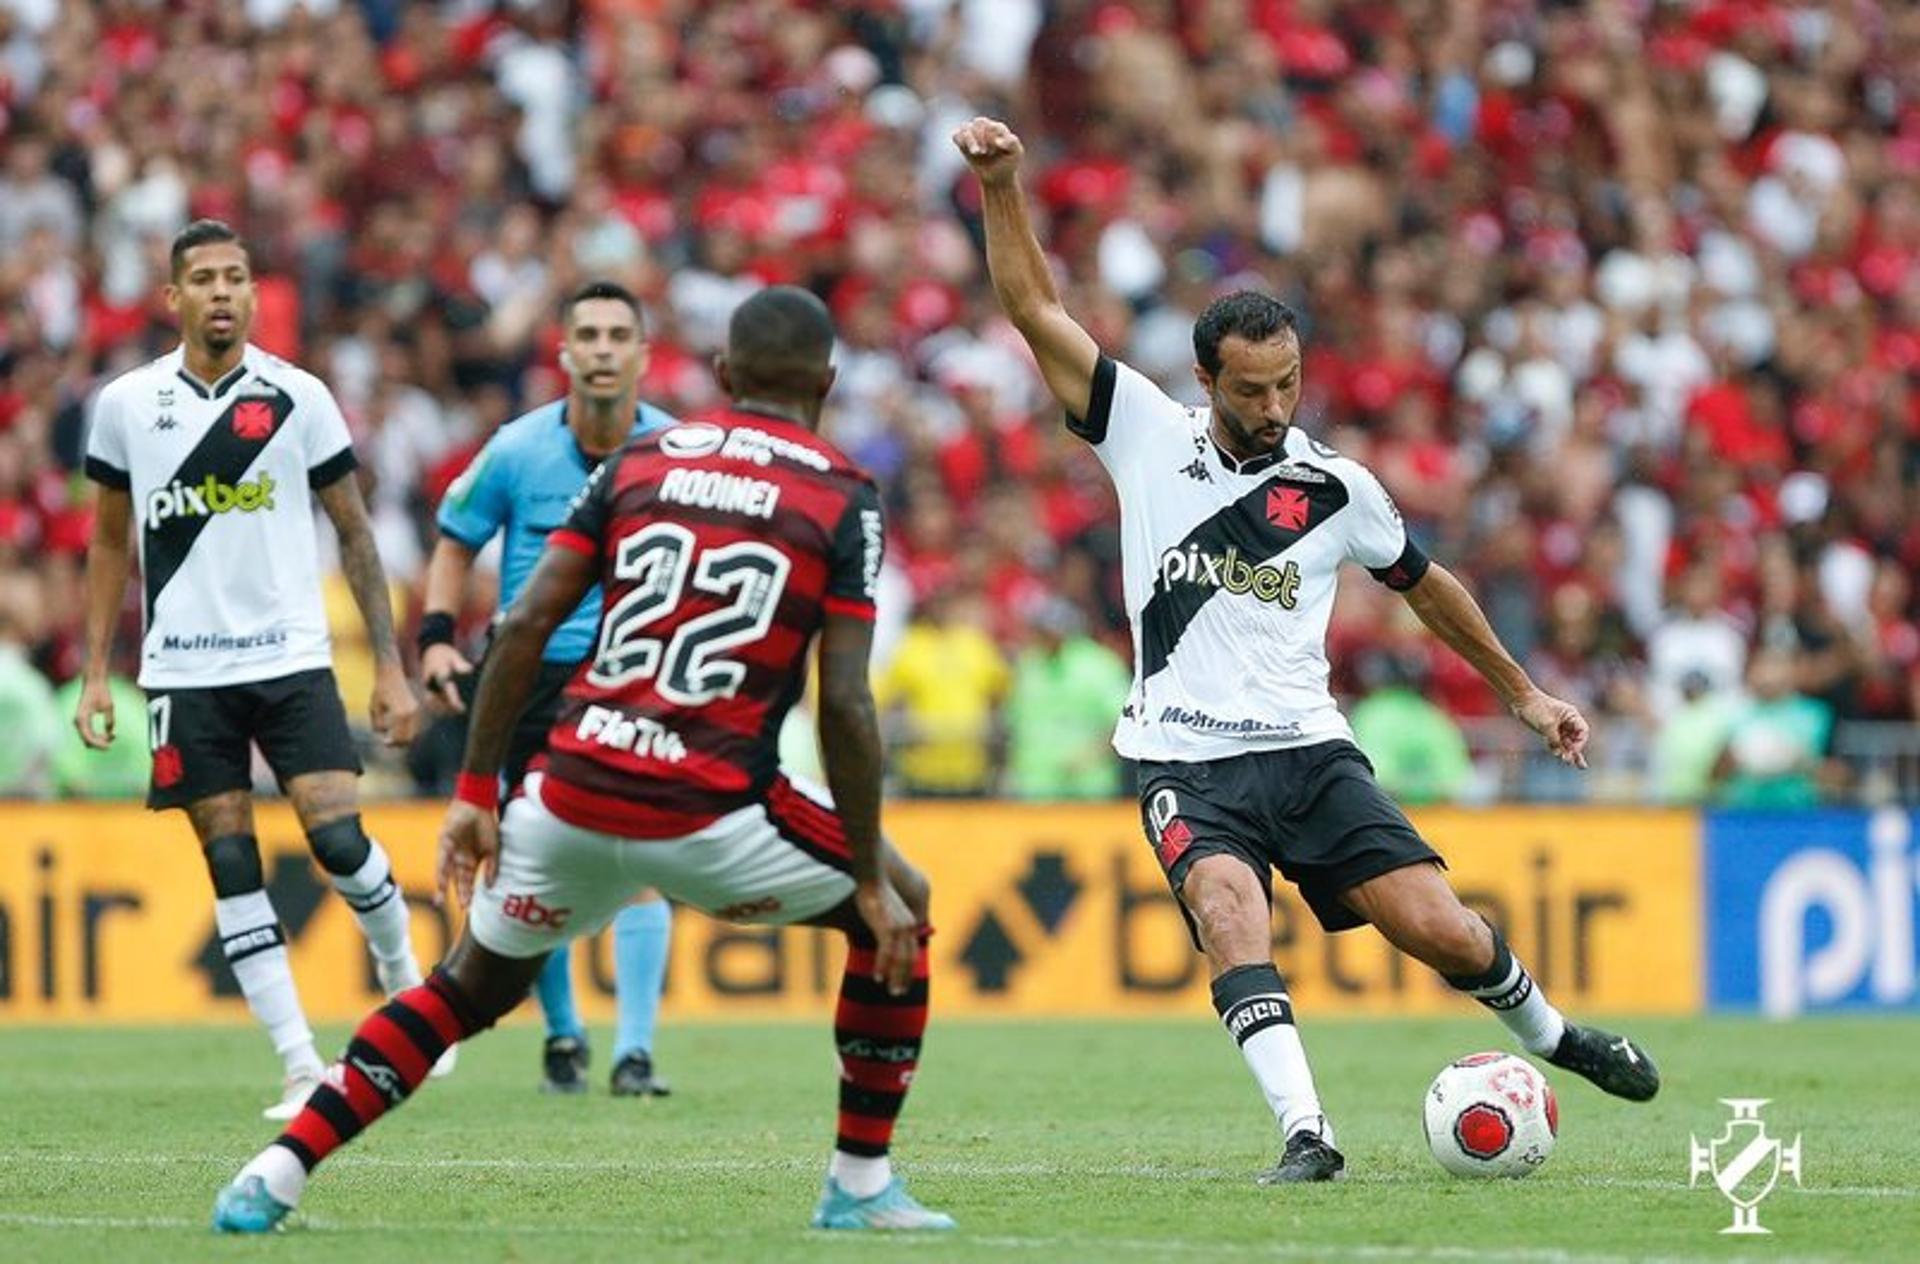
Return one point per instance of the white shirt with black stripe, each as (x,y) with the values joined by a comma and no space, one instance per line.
(222,477)
(1230,570)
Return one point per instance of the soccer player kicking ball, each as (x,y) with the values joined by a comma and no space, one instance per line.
(1234,525)
(520,485)
(216,452)
(724,549)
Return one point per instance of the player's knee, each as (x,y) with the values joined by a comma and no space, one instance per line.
(340,846)
(1450,938)
(233,861)
(1226,902)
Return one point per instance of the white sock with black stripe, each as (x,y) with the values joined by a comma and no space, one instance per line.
(1252,1001)
(255,946)
(1508,990)
(381,910)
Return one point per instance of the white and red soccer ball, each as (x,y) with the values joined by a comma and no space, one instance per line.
(1491,1114)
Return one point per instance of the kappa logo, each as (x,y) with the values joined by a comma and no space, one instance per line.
(873,541)
(1288,508)
(693,440)
(1197,471)
(252,419)
(383,1078)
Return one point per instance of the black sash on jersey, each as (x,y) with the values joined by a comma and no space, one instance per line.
(224,452)
(1248,528)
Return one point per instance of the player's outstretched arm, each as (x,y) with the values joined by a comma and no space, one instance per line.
(1021,280)
(393,711)
(558,584)
(109,562)
(441,662)
(850,748)
(1450,613)
(470,835)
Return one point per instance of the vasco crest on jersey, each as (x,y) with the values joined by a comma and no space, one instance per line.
(255,420)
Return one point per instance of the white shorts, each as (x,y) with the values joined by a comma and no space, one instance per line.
(778,861)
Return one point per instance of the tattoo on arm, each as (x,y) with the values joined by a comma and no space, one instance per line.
(360,559)
(360,563)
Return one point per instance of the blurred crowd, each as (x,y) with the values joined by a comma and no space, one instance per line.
(1621,299)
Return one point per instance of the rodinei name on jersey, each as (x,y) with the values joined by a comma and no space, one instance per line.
(724,545)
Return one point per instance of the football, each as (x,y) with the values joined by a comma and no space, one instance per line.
(1491,1114)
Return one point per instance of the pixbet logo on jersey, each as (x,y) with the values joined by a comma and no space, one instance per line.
(211,496)
(1230,571)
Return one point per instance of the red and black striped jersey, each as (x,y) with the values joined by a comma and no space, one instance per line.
(723,545)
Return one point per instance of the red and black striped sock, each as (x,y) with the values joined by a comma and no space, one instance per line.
(385,1061)
(878,1035)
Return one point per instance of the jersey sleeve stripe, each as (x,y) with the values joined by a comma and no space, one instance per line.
(107,474)
(474,542)
(850,607)
(573,542)
(1093,427)
(333,469)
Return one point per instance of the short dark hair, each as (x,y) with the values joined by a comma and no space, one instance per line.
(1249,313)
(202,232)
(602,289)
(780,341)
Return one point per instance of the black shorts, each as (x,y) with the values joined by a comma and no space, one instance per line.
(529,737)
(202,738)
(1315,813)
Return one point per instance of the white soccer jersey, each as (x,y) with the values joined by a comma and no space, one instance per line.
(1230,573)
(221,478)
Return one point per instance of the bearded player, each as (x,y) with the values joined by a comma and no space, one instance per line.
(1234,525)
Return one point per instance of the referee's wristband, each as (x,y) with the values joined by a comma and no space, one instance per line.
(481,790)
(436,628)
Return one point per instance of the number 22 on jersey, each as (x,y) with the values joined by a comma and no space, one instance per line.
(688,665)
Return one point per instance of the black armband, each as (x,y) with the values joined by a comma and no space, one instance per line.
(436,628)
(1408,570)
(1093,426)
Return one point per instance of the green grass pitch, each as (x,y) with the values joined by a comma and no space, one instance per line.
(1050,1141)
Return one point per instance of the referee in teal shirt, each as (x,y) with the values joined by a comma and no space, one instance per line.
(521,485)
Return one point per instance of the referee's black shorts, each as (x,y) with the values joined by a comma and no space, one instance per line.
(529,737)
(1315,813)
(202,739)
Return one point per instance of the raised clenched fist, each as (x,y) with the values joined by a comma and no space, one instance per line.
(991,149)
